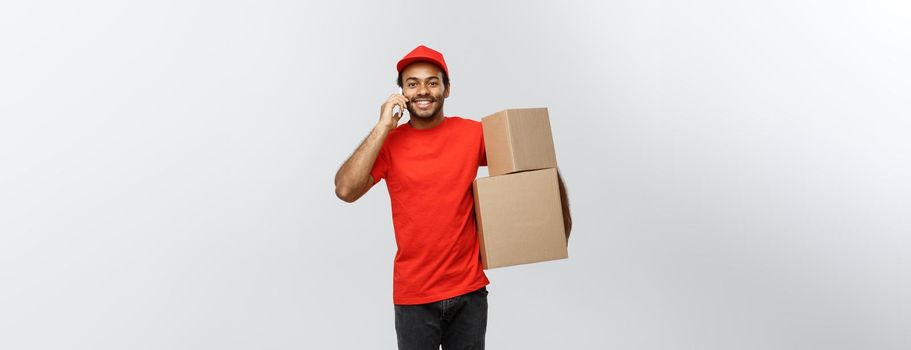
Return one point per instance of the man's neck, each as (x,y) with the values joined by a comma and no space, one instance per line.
(426,123)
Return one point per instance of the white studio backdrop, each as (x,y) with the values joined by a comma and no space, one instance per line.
(738,171)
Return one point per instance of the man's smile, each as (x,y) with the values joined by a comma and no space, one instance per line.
(422,103)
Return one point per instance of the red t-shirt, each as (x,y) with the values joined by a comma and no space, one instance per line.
(429,174)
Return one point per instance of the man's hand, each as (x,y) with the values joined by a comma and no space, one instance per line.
(388,118)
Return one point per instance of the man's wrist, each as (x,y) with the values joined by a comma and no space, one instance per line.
(383,127)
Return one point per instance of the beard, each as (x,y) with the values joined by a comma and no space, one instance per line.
(425,114)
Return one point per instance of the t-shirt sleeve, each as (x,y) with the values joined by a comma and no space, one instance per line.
(380,166)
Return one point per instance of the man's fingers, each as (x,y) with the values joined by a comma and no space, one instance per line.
(395,100)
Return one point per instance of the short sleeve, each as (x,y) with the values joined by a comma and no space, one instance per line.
(380,166)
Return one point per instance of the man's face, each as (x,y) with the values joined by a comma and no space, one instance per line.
(422,84)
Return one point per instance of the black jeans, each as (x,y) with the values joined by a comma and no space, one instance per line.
(456,323)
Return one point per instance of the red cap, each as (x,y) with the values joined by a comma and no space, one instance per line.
(423,53)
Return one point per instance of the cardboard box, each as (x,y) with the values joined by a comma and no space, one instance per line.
(520,218)
(518,140)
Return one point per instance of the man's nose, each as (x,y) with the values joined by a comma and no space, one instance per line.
(423,90)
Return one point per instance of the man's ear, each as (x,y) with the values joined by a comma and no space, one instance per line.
(446,92)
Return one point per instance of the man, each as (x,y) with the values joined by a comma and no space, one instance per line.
(429,163)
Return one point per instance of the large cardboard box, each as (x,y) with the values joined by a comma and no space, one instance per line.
(520,218)
(518,140)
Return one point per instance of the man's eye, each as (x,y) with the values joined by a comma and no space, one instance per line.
(433,83)
(411,84)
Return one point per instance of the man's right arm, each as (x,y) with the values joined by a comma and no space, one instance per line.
(353,179)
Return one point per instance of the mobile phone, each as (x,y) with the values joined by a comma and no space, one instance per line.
(396,109)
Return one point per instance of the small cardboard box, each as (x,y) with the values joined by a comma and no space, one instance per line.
(518,140)
(520,218)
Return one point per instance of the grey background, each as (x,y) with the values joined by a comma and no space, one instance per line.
(738,171)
